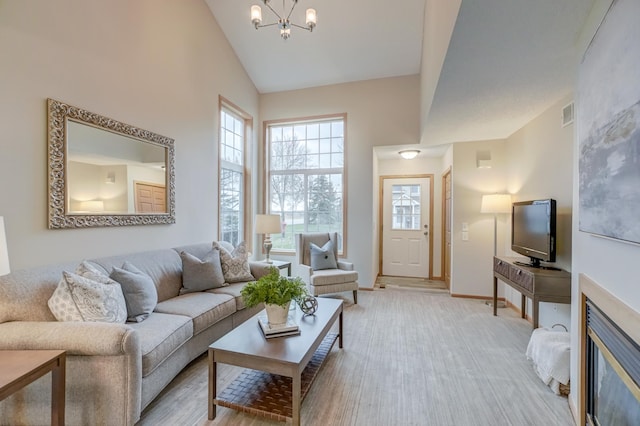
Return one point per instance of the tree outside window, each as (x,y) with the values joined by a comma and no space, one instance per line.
(306,178)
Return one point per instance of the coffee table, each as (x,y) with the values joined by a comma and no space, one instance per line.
(19,368)
(279,371)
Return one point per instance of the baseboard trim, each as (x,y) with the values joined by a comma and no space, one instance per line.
(472,296)
(365,288)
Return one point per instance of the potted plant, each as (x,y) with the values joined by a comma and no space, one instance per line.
(276,292)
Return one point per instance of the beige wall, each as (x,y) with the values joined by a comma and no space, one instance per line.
(472,265)
(379,112)
(439,21)
(612,264)
(540,165)
(158,65)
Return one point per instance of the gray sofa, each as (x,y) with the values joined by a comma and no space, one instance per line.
(114,370)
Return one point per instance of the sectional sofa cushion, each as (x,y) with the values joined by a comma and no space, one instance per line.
(139,291)
(201,274)
(204,308)
(160,336)
(235,264)
(232,290)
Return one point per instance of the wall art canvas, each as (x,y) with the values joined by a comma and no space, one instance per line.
(608,117)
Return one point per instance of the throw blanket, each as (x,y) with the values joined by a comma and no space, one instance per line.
(550,352)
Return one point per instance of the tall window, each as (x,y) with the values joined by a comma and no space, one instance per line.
(306,177)
(232,175)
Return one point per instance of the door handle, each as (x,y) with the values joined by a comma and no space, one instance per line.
(426,233)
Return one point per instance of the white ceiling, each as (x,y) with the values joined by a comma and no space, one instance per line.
(508,60)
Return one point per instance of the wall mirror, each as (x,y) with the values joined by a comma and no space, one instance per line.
(106,173)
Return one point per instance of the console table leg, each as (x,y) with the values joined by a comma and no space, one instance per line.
(495,296)
(535,312)
(523,306)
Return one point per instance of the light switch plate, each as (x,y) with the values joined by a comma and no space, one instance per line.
(465,226)
(465,236)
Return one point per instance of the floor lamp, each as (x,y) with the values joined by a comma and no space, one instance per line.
(496,204)
(4,253)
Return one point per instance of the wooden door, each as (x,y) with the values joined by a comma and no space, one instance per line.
(150,198)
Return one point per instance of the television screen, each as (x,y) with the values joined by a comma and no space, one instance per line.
(533,230)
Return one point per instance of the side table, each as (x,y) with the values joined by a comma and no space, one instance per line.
(280,265)
(19,368)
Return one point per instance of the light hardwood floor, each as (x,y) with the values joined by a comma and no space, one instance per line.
(409,358)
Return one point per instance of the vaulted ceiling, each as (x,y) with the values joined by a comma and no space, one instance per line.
(507,60)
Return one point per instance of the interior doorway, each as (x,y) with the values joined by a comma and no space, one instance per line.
(406,222)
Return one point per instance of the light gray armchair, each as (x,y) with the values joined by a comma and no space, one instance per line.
(325,281)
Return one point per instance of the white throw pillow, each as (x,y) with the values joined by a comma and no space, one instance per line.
(88,295)
(235,265)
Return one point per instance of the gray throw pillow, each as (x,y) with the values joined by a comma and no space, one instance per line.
(140,293)
(323,257)
(200,275)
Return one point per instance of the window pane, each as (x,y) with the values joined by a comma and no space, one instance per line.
(231,192)
(406,207)
(306,200)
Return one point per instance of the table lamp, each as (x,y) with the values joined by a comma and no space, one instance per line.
(267,224)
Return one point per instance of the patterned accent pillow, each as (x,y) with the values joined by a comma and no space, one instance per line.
(235,265)
(323,257)
(88,295)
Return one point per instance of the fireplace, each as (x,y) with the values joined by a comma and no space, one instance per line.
(610,359)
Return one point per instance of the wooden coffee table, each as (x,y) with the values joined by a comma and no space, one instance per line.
(279,370)
(19,368)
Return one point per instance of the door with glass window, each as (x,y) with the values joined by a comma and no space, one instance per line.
(405,227)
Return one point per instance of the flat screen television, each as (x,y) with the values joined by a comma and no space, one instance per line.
(533,230)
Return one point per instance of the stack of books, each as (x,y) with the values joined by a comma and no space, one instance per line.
(290,328)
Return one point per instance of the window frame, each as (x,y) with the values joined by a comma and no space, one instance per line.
(247,120)
(266,187)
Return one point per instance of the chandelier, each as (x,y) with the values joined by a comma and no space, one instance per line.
(284,24)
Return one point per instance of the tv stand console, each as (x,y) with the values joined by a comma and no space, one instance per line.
(538,284)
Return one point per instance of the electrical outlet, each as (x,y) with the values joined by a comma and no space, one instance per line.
(465,226)
(465,236)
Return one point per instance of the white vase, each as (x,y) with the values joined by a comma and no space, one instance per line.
(276,314)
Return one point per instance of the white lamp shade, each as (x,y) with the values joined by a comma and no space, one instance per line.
(256,14)
(496,203)
(4,253)
(311,17)
(268,224)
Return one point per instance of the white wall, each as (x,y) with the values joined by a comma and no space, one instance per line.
(614,265)
(472,260)
(419,165)
(540,165)
(157,65)
(379,112)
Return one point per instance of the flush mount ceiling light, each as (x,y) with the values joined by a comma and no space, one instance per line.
(409,154)
(284,24)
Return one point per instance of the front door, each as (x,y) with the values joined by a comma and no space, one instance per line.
(405,227)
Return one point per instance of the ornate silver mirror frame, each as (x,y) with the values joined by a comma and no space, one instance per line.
(61,215)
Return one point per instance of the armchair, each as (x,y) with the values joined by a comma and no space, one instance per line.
(324,281)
